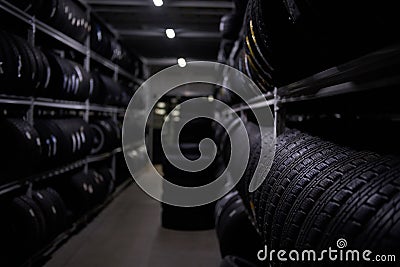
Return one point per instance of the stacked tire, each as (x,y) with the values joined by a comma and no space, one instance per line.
(64,15)
(27,71)
(107,136)
(64,140)
(234,229)
(83,191)
(318,192)
(69,80)
(287,40)
(189,218)
(105,44)
(24,69)
(29,222)
(21,144)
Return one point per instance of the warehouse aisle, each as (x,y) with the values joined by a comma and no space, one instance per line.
(128,233)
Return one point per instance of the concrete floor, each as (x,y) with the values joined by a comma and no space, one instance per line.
(128,233)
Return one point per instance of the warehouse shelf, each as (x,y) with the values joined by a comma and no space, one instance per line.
(50,31)
(65,39)
(45,253)
(115,67)
(351,77)
(354,76)
(61,104)
(7,188)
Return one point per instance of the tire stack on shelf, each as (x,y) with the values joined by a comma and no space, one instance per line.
(65,15)
(103,43)
(30,222)
(316,193)
(189,218)
(60,127)
(285,41)
(234,228)
(318,190)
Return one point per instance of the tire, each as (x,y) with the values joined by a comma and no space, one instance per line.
(188,219)
(236,234)
(106,136)
(318,160)
(26,227)
(77,136)
(61,210)
(283,142)
(20,142)
(29,74)
(382,231)
(100,187)
(11,73)
(77,193)
(329,160)
(382,184)
(284,157)
(306,153)
(308,197)
(54,149)
(49,211)
(108,178)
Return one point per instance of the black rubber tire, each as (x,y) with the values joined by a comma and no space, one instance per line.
(61,210)
(108,178)
(27,233)
(288,155)
(49,212)
(78,194)
(382,231)
(20,142)
(305,153)
(54,149)
(311,193)
(78,137)
(236,234)
(28,74)
(188,219)
(347,209)
(106,136)
(100,187)
(315,162)
(283,142)
(328,162)
(11,76)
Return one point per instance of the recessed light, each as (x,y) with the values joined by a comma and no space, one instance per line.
(158,2)
(161,105)
(181,62)
(160,112)
(170,33)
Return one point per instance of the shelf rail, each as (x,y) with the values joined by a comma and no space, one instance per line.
(64,39)
(25,182)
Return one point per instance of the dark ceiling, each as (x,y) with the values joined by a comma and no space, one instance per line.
(142,26)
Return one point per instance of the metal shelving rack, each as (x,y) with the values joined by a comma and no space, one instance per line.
(348,78)
(86,109)
(65,39)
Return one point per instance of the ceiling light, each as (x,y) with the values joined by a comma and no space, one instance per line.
(161,105)
(181,62)
(158,2)
(160,112)
(170,33)
(176,113)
